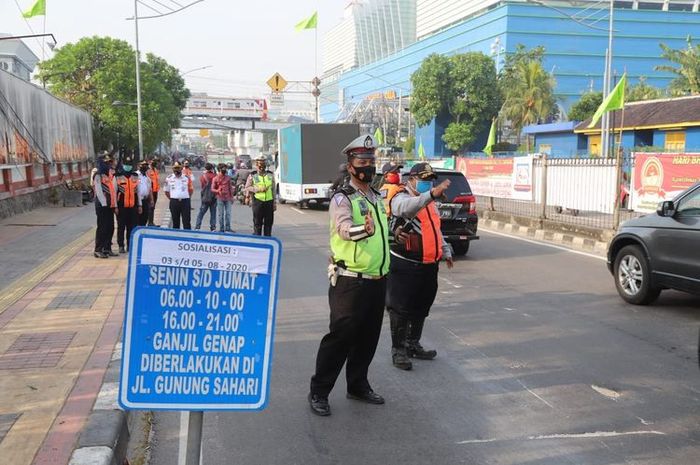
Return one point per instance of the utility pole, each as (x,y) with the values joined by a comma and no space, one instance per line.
(138,81)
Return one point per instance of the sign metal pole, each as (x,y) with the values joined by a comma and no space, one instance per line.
(194,438)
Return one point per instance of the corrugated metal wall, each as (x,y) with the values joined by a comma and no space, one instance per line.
(36,127)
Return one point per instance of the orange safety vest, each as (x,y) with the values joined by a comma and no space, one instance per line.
(127,190)
(106,181)
(425,239)
(388,192)
(154,176)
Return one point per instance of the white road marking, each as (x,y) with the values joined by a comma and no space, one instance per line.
(298,211)
(645,422)
(456,286)
(545,244)
(535,394)
(476,441)
(595,435)
(609,393)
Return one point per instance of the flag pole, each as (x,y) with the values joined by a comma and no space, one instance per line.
(618,163)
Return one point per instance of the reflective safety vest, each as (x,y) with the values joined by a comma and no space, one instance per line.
(369,255)
(153,174)
(424,243)
(128,191)
(107,184)
(388,192)
(264,181)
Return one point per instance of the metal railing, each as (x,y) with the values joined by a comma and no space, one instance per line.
(578,192)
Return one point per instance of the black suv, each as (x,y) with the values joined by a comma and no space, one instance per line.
(458,217)
(659,251)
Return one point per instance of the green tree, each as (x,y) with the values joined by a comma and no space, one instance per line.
(408,146)
(96,71)
(586,106)
(431,89)
(528,90)
(462,89)
(642,91)
(686,69)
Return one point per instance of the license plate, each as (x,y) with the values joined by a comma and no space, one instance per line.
(445,213)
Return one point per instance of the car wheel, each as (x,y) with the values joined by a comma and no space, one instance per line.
(460,248)
(633,276)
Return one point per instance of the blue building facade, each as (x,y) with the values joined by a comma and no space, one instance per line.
(574,53)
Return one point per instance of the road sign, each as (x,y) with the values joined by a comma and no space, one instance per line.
(277,83)
(199,321)
(276,99)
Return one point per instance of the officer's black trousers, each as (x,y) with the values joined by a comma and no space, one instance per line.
(145,213)
(263,215)
(357,309)
(180,208)
(105,228)
(151,211)
(411,288)
(127,218)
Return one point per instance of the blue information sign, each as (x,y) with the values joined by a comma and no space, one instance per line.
(199,322)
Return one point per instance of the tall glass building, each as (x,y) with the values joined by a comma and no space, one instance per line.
(574,34)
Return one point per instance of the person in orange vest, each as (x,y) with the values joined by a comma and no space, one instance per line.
(187,171)
(105,189)
(412,284)
(128,203)
(154,176)
(392,184)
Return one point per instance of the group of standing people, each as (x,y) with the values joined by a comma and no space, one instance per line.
(125,193)
(217,194)
(131,195)
(386,248)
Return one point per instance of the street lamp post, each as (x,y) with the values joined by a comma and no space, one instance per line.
(196,69)
(138,57)
(138,80)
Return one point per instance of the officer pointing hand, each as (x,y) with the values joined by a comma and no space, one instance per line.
(438,191)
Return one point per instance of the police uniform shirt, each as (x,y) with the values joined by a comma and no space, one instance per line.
(341,213)
(177,186)
(145,186)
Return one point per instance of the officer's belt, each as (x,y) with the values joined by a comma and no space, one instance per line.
(352,274)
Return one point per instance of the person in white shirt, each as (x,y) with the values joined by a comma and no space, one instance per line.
(145,193)
(178,188)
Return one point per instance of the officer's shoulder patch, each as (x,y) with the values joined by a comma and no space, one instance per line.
(347,190)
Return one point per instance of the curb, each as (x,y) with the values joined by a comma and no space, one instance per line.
(571,241)
(105,438)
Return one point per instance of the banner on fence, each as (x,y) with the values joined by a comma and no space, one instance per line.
(662,176)
(506,178)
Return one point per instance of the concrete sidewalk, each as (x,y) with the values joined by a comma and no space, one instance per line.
(59,325)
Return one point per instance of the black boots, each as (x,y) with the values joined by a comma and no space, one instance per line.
(413,346)
(399,331)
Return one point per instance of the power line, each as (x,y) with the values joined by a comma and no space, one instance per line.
(150,7)
(19,8)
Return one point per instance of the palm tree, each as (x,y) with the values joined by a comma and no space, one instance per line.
(529,96)
(687,70)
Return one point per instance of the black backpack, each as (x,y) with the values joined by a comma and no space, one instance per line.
(208,196)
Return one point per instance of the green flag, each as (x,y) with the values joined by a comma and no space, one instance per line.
(378,136)
(421,150)
(488,150)
(614,101)
(308,23)
(38,9)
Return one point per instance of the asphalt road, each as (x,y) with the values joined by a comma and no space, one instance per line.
(539,363)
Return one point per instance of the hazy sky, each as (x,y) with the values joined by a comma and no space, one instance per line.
(245,41)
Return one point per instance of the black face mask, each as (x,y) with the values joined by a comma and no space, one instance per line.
(143,170)
(364,173)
